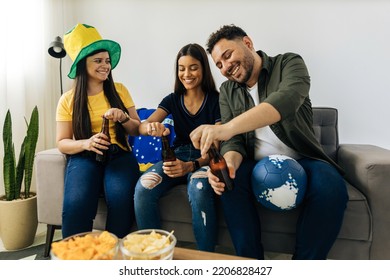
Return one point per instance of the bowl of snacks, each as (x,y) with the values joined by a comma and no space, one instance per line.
(95,245)
(148,244)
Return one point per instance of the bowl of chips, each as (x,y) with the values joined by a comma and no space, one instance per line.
(148,244)
(95,245)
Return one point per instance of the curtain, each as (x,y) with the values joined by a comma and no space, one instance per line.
(29,76)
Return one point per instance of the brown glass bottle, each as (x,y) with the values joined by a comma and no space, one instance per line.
(219,167)
(167,152)
(104,130)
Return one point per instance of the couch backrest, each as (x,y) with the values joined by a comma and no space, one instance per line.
(326,130)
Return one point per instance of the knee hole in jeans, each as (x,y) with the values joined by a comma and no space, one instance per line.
(150,180)
(199,175)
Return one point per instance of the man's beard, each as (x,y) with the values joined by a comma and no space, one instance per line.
(247,66)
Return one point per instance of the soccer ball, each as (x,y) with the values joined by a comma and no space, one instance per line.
(279,182)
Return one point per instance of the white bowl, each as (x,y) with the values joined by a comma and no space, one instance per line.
(150,248)
(86,246)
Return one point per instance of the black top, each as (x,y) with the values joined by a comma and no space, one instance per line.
(184,121)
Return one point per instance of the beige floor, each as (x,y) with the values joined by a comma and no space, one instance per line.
(41,237)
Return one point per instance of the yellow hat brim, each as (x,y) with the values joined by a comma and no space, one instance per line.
(113,48)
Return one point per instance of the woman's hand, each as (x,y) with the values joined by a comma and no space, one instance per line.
(157,129)
(97,143)
(177,168)
(115,115)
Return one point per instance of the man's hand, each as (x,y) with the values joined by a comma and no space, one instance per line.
(233,162)
(204,135)
(219,187)
(259,116)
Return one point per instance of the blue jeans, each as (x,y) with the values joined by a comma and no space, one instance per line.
(86,180)
(320,218)
(154,183)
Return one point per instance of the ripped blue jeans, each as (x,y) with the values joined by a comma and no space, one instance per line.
(154,184)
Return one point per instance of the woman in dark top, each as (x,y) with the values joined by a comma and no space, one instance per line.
(193,102)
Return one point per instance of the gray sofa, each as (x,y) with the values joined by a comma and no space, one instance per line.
(365,233)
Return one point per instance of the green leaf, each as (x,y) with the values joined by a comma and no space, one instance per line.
(13,174)
(9,159)
(30,146)
(20,169)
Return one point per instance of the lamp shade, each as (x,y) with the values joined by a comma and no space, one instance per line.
(56,48)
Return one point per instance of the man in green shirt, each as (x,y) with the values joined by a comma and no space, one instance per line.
(266,110)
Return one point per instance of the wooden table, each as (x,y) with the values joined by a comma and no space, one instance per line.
(191,254)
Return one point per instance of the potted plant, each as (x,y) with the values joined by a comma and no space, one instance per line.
(18,209)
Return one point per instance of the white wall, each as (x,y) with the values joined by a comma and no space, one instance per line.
(345,44)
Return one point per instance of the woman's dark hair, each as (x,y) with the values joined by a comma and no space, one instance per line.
(196,51)
(228,32)
(81,121)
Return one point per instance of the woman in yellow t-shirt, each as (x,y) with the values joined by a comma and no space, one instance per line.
(79,120)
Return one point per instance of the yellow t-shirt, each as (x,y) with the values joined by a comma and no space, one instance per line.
(97,106)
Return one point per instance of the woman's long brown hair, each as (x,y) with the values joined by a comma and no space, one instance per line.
(81,120)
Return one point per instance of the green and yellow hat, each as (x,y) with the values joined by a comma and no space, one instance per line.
(82,40)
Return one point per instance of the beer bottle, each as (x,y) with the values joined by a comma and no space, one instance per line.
(104,130)
(167,152)
(219,167)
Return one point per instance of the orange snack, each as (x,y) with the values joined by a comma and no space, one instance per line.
(86,246)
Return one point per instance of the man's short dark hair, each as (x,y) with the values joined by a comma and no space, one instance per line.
(229,32)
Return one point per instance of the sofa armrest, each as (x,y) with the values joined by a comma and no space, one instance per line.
(367,168)
(50,168)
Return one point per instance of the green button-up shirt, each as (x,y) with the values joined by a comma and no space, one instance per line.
(284,82)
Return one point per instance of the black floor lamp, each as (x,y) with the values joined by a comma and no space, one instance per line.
(56,50)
